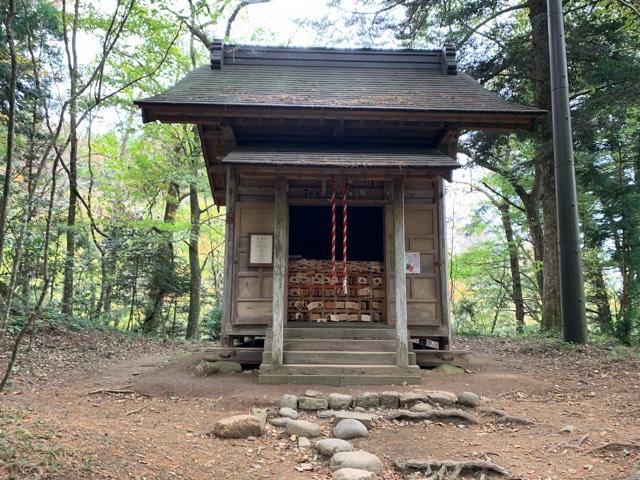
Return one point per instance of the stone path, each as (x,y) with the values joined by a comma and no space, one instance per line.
(352,417)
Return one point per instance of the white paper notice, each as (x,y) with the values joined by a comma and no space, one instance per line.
(412,262)
(261,250)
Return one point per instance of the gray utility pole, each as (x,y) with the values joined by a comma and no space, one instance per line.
(574,324)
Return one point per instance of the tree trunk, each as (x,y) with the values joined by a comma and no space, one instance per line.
(11,125)
(514,263)
(163,275)
(69,263)
(193,322)
(545,167)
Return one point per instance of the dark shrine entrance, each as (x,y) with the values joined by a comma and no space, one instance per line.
(315,294)
(310,233)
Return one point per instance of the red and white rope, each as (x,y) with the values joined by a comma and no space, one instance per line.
(344,238)
(334,276)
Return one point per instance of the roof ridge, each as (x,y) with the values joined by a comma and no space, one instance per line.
(443,59)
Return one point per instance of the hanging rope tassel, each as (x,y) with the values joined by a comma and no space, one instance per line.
(334,275)
(345,281)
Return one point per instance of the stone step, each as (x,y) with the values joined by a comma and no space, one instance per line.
(339,375)
(336,344)
(342,332)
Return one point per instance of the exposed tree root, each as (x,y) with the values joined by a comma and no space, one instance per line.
(450,415)
(504,417)
(575,446)
(116,392)
(440,467)
(615,446)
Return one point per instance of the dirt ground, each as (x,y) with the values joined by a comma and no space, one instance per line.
(55,424)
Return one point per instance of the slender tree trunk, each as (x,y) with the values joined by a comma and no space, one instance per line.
(11,125)
(193,321)
(163,275)
(601,297)
(545,167)
(514,263)
(134,294)
(69,263)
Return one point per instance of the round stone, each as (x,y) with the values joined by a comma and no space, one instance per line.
(421,407)
(441,397)
(280,421)
(288,412)
(289,401)
(330,446)
(353,474)
(349,428)
(469,399)
(238,426)
(359,460)
(302,428)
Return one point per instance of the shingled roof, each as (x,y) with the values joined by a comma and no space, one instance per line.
(374,80)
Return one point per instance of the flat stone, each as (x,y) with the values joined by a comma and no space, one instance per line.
(288,412)
(367,400)
(360,460)
(421,407)
(359,409)
(340,401)
(449,369)
(302,428)
(313,403)
(469,399)
(312,393)
(389,399)
(349,428)
(366,419)
(206,368)
(289,401)
(408,399)
(330,446)
(567,429)
(441,397)
(353,474)
(238,426)
(280,421)
(303,443)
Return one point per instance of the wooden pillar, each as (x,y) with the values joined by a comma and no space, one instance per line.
(280,256)
(443,262)
(402,334)
(229,253)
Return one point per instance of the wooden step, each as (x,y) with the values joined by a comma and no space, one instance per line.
(344,333)
(338,357)
(337,344)
(339,375)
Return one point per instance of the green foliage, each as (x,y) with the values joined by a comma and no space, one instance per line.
(212,323)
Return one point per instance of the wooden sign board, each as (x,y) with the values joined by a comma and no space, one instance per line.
(260,249)
(412,262)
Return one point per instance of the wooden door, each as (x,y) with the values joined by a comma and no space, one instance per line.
(423,289)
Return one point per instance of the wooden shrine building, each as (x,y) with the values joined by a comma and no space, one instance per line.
(316,153)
